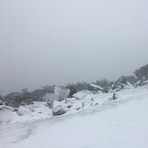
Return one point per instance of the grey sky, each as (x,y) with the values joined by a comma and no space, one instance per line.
(61,41)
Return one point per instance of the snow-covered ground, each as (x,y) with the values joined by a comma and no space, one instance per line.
(121,123)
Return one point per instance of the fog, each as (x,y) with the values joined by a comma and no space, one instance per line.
(46,42)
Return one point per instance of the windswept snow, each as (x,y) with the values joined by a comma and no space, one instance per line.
(120,123)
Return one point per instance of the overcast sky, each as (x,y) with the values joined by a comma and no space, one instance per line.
(46,42)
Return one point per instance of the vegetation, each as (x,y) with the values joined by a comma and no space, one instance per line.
(142,73)
(25,97)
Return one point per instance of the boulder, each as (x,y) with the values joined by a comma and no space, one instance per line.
(6,114)
(115,96)
(50,98)
(82,94)
(57,103)
(59,110)
(23,110)
(121,83)
(62,92)
(122,79)
(70,100)
(69,106)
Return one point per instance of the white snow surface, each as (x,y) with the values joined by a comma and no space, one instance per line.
(121,123)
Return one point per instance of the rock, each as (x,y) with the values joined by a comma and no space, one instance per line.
(78,108)
(23,110)
(70,100)
(50,98)
(69,106)
(57,103)
(82,94)
(121,83)
(122,79)
(1,102)
(15,109)
(83,104)
(115,96)
(6,114)
(62,91)
(128,85)
(59,110)
(96,87)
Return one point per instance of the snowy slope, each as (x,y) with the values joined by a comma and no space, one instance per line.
(110,124)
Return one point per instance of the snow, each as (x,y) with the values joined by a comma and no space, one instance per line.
(96,86)
(120,123)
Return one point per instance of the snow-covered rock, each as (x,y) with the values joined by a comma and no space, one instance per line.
(70,100)
(115,97)
(59,110)
(62,92)
(57,103)
(23,110)
(6,114)
(87,102)
(128,85)
(82,94)
(96,86)
(48,97)
(121,83)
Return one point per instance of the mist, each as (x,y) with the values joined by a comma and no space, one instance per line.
(59,42)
